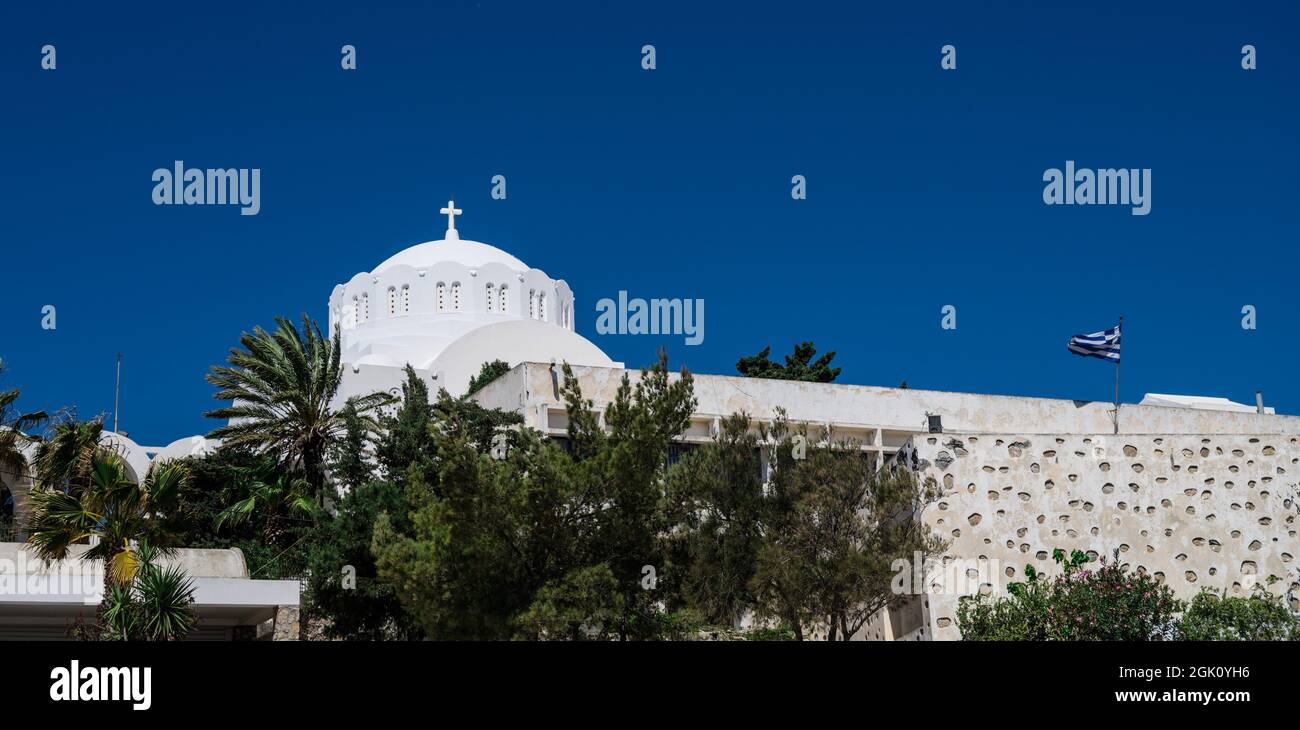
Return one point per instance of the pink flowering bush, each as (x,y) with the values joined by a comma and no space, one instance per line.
(1105,603)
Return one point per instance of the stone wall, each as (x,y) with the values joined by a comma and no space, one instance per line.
(286,626)
(1194,510)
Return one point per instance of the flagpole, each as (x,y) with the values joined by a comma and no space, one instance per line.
(117,391)
(1117,362)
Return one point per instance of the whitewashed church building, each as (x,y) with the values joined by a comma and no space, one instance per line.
(445,308)
(1197,491)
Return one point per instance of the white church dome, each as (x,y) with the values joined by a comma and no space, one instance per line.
(469,253)
(419,302)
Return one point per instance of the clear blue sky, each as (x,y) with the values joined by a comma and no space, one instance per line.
(924,186)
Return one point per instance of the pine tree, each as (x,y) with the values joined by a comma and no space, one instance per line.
(798,366)
(487,373)
(350,465)
(406,440)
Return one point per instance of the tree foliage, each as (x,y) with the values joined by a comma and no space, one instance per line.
(350,455)
(603,539)
(14,439)
(487,373)
(283,385)
(63,460)
(406,440)
(1261,616)
(716,494)
(839,526)
(154,605)
(118,511)
(343,585)
(539,540)
(799,365)
(812,548)
(277,497)
(1108,603)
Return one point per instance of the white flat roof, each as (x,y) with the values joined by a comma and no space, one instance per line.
(1206,402)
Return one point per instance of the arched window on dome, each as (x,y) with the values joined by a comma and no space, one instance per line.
(491,298)
(364,316)
(502,304)
(442,297)
(532,304)
(406,299)
(455,296)
(541,306)
(392,301)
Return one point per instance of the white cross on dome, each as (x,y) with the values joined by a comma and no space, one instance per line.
(451,211)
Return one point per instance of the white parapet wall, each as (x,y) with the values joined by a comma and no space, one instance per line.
(45,599)
(887,415)
(1194,510)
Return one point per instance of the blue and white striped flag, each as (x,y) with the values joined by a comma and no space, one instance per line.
(1104,344)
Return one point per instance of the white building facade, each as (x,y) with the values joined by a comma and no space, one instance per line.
(1200,491)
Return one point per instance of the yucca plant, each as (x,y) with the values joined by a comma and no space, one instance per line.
(156,605)
(282,384)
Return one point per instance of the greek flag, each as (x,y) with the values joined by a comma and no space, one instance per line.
(1104,344)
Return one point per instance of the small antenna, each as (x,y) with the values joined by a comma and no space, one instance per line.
(117,392)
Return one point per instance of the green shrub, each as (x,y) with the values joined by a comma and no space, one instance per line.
(1262,616)
(1106,604)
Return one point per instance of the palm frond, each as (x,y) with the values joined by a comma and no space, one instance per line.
(162,485)
(282,385)
(124,565)
(236,513)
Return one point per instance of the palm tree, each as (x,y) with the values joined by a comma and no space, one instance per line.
(111,507)
(282,384)
(14,438)
(64,459)
(267,491)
